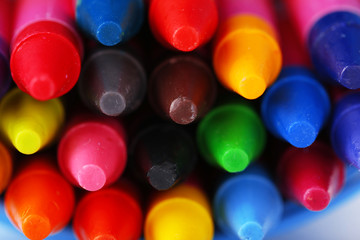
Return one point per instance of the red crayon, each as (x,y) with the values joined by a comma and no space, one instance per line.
(110,213)
(46,51)
(39,201)
(92,152)
(312,176)
(183,24)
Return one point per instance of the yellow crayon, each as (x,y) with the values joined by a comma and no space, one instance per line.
(182,212)
(27,123)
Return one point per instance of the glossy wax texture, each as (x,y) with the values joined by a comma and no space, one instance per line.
(29,124)
(39,201)
(5,32)
(311,176)
(182,212)
(110,213)
(164,155)
(231,136)
(46,51)
(110,22)
(183,24)
(295,107)
(182,88)
(112,82)
(92,152)
(247,205)
(345,129)
(246,54)
(6,167)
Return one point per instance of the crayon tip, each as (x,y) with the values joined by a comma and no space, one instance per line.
(316,199)
(112,103)
(235,160)
(36,227)
(105,237)
(27,141)
(251,231)
(349,77)
(186,39)
(91,177)
(301,134)
(162,177)
(109,33)
(183,111)
(41,88)
(250,87)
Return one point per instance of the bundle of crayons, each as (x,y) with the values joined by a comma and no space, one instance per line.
(175,119)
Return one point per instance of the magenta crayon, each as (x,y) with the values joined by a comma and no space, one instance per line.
(46,50)
(6,10)
(330,28)
(311,176)
(92,152)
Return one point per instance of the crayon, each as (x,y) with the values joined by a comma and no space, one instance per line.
(182,88)
(6,11)
(110,213)
(330,30)
(112,82)
(345,129)
(182,212)
(110,22)
(247,205)
(163,154)
(46,50)
(39,201)
(6,167)
(246,55)
(231,136)
(29,124)
(183,24)
(295,107)
(311,176)
(92,151)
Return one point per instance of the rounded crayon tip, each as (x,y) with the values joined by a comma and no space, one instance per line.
(251,231)
(36,227)
(301,134)
(183,111)
(350,77)
(42,88)
(235,160)
(109,33)
(251,87)
(112,103)
(186,39)
(105,237)
(162,177)
(91,177)
(316,199)
(27,141)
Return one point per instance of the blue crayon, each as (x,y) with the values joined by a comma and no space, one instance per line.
(247,205)
(345,129)
(108,21)
(334,47)
(295,107)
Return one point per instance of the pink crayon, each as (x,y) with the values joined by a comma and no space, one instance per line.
(92,152)
(46,50)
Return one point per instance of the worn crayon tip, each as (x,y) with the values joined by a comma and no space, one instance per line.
(251,231)
(163,177)
(186,39)
(91,177)
(316,199)
(42,88)
(183,111)
(349,77)
(36,227)
(109,33)
(112,103)
(235,160)
(105,237)
(27,141)
(250,87)
(301,134)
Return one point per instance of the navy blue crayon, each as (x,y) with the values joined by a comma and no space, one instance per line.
(247,205)
(110,22)
(112,82)
(295,107)
(345,129)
